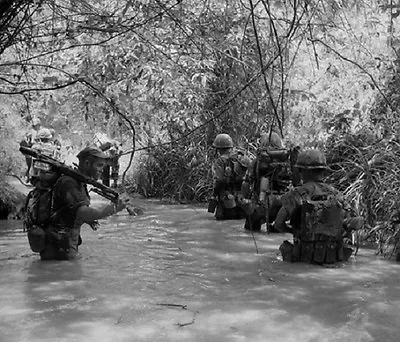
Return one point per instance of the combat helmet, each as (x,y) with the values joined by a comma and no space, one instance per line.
(44,134)
(223,141)
(272,140)
(311,159)
(36,121)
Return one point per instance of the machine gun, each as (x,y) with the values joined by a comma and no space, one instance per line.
(98,188)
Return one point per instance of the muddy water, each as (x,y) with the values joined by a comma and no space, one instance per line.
(175,274)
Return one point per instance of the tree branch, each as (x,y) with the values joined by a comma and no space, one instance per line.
(358,66)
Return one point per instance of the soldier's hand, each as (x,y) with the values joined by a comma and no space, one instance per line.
(94,225)
(120,205)
(135,211)
(354,223)
(124,197)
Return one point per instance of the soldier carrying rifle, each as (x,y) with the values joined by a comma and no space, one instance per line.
(60,203)
(269,176)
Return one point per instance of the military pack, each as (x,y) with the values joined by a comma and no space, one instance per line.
(322,216)
(236,168)
(276,166)
(38,212)
(39,204)
(321,230)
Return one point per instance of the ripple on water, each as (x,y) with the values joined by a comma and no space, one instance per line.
(232,283)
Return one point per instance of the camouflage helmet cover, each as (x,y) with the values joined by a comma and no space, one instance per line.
(223,141)
(44,133)
(35,121)
(311,159)
(272,140)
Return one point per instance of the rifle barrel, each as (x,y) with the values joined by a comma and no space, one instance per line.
(69,171)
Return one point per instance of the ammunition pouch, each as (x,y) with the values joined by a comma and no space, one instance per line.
(323,250)
(331,252)
(320,251)
(306,251)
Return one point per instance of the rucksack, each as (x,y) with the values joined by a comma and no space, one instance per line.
(236,169)
(276,166)
(38,213)
(322,216)
(48,149)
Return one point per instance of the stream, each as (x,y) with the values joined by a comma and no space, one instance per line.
(176,274)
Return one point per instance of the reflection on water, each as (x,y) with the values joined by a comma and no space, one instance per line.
(175,274)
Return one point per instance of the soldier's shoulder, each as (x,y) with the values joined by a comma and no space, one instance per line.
(66,182)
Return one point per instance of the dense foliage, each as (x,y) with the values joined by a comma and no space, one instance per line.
(165,76)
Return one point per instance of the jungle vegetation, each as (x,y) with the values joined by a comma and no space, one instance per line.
(165,76)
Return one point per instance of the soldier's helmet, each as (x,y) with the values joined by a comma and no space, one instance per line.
(35,121)
(311,159)
(44,134)
(223,141)
(272,140)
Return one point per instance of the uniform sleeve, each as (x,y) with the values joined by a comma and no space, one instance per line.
(218,170)
(291,201)
(251,172)
(72,197)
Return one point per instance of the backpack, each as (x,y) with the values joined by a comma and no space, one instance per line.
(322,216)
(38,213)
(39,209)
(236,169)
(48,149)
(276,166)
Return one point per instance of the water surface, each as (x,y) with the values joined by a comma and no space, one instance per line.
(176,274)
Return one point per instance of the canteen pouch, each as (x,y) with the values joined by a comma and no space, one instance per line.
(331,250)
(37,239)
(320,251)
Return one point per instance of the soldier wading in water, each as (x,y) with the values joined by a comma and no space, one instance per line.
(228,171)
(59,205)
(320,220)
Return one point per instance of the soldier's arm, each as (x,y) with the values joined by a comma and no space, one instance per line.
(248,181)
(290,202)
(218,170)
(351,220)
(281,218)
(78,205)
(88,214)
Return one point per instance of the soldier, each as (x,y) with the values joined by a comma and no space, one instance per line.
(28,140)
(45,143)
(228,171)
(71,208)
(112,148)
(269,176)
(320,220)
(114,153)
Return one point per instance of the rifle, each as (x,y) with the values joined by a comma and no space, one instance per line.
(98,188)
